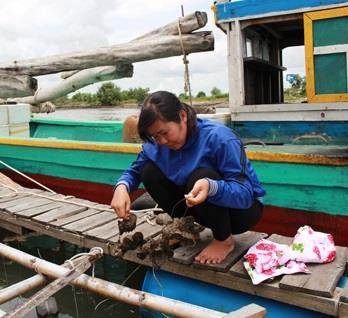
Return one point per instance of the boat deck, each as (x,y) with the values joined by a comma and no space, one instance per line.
(88,224)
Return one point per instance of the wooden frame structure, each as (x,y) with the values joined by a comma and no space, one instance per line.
(312,51)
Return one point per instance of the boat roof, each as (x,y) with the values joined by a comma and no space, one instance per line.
(235,9)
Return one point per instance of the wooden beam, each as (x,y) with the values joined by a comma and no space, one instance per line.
(249,311)
(188,24)
(135,51)
(16,85)
(78,80)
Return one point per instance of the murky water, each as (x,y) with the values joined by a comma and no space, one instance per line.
(74,302)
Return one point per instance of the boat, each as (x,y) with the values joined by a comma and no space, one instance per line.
(299,151)
(257,33)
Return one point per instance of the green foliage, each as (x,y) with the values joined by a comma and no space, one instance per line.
(200,94)
(109,94)
(215,92)
(297,91)
(137,94)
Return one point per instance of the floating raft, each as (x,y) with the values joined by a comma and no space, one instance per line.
(88,224)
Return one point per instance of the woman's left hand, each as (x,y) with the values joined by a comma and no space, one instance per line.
(198,194)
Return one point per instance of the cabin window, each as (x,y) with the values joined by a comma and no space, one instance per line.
(326,41)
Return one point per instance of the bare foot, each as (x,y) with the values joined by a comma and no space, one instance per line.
(216,251)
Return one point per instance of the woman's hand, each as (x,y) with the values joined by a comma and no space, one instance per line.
(121,201)
(198,194)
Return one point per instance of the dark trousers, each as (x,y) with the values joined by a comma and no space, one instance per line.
(170,197)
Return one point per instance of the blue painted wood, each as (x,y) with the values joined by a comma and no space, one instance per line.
(242,8)
(286,131)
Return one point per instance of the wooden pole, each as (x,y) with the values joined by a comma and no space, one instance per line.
(78,80)
(17,85)
(79,267)
(135,51)
(13,291)
(189,23)
(114,291)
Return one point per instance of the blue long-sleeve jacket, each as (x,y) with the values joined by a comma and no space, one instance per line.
(213,146)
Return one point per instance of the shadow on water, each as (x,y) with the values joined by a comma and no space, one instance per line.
(74,302)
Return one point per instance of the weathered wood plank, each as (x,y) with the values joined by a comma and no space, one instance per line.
(90,222)
(63,211)
(5,201)
(104,231)
(186,254)
(71,237)
(33,202)
(242,243)
(344,296)
(323,278)
(39,210)
(249,311)
(75,217)
(14,228)
(271,291)
(343,310)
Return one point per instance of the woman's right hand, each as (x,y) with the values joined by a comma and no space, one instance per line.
(121,201)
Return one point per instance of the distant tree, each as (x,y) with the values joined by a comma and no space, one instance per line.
(183,96)
(138,93)
(215,92)
(87,98)
(200,94)
(109,94)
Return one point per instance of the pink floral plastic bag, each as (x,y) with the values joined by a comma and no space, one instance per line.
(267,259)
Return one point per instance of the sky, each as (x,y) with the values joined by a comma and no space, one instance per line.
(39,28)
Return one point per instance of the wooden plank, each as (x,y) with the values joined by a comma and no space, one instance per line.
(242,243)
(14,228)
(249,311)
(238,268)
(323,278)
(63,211)
(75,217)
(104,231)
(9,201)
(271,291)
(71,237)
(33,203)
(343,310)
(90,222)
(344,295)
(186,254)
(39,210)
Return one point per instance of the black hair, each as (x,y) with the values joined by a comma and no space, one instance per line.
(165,106)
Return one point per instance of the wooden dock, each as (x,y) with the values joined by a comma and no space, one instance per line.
(88,224)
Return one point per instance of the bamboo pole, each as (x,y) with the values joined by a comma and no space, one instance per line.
(79,267)
(114,291)
(15,290)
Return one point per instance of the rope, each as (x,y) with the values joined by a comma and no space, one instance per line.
(27,177)
(187,86)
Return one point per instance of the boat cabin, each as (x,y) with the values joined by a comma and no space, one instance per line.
(257,33)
